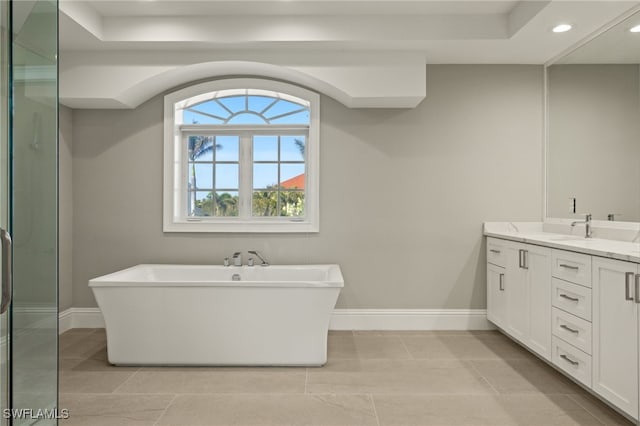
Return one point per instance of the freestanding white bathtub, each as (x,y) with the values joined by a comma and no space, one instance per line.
(199,315)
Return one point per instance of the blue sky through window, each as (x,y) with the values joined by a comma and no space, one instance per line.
(249,109)
(265,148)
(246,109)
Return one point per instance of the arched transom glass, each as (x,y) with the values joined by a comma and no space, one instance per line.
(245,107)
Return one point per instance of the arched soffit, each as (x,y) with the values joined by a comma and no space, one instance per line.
(182,75)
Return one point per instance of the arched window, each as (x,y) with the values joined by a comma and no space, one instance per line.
(241,155)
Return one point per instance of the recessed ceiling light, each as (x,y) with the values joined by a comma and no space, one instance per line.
(635,29)
(562,28)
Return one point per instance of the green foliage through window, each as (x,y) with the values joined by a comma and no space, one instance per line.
(271,202)
(225,204)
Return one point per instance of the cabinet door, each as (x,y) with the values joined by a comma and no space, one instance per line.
(496,295)
(537,261)
(615,335)
(517,299)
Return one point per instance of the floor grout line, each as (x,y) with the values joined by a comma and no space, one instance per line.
(484,379)
(473,367)
(404,345)
(123,383)
(571,397)
(165,409)
(375,411)
(306,379)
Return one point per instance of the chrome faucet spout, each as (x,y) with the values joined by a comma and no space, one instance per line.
(588,232)
(259,256)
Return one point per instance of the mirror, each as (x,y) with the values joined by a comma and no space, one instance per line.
(593,127)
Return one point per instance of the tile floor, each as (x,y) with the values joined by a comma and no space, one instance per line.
(372,378)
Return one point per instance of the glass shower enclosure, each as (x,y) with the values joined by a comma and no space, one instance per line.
(28,211)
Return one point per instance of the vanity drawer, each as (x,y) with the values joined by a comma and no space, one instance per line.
(496,252)
(573,267)
(571,298)
(571,329)
(571,360)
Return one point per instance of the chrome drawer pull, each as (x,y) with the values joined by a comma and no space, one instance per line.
(520,257)
(628,277)
(501,282)
(569,360)
(569,329)
(495,251)
(575,268)
(637,296)
(573,299)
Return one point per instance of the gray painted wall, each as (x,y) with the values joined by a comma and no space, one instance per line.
(65,208)
(404,193)
(594,134)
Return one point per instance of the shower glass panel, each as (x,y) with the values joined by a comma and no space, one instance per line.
(5,41)
(34,219)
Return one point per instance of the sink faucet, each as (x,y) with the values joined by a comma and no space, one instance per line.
(257,254)
(587,225)
(237,259)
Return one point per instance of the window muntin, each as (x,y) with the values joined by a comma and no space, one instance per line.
(246,157)
(278,175)
(213,168)
(250,107)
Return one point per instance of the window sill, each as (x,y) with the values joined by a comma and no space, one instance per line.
(238,226)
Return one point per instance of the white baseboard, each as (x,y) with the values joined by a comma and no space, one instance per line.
(29,318)
(65,320)
(410,319)
(342,319)
(80,318)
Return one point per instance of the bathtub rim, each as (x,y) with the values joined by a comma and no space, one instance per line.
(112,280)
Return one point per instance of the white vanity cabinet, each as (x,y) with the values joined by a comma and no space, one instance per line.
(574,304)
(519,292)
(615,360)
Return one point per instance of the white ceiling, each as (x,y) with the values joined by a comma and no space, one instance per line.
(298,7)
(443,31)
(163,35)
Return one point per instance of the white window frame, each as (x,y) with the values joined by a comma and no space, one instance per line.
(175,217)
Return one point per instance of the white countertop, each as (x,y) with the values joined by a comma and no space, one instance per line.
(533,233)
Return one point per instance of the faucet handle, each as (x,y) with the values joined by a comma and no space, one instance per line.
(257,254)
(226,261)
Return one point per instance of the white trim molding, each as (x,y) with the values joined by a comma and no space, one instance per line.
(342,319)
(28,318)
(80,318)
(410,319)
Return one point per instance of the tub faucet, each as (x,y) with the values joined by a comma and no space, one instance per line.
(262,259)
(237,259)
(587,225)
